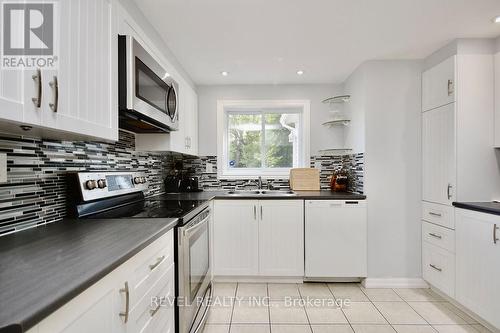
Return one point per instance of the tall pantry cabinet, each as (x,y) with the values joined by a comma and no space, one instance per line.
(458,161)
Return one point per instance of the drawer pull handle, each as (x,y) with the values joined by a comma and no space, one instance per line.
(435,236)
(124,315)
(158,262)
(436,214)
(154,311)
(436,268)
(450,195)
(495,239)
(450,87)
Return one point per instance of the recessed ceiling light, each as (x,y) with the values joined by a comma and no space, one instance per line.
(165,76)
(224,73)
(496,19)
(300,72)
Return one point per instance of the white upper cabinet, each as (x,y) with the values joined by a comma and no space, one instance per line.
(80,95)
(438,85)
(85,98)
(477,263)
(459,163)
(439,156)
(281,237)
(11,95)
(185,139)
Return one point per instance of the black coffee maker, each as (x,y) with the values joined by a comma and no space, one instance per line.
(181,181)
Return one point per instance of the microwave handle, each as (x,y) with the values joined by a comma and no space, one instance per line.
(176,105)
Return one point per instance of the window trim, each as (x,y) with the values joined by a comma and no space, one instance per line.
(223,106)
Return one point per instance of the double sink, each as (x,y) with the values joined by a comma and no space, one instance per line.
(259,193)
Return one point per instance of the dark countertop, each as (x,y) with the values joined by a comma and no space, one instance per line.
(301,195)
(483,207)
(43,268)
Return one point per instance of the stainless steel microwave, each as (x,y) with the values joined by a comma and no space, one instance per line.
(148,96)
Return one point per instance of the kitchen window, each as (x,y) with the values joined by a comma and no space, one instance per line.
(262,138)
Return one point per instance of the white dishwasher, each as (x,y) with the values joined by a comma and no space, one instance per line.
(335,239)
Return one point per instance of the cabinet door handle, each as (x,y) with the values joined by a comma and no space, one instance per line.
(436,268)
(55,86)
(38,79)
(450,187)
(435,236)
(261,213)
(450,87)
(158,262)
(435,214)
(124,314)
(254,212)
(495,239)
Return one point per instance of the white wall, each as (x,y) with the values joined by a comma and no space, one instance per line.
(321,137)
(389,105)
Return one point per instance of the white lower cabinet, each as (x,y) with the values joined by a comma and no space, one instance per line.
(335,239)
(281,238)
(439,268)
(122,300)
(258,238)
(478,263)
(236,238)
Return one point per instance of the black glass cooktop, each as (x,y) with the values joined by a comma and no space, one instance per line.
(151,209)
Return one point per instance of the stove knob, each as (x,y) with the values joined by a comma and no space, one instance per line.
(143,180)
(137,180)
(90,184)
(101,183)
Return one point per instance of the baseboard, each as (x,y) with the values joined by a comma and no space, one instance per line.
(258,279)
(394,283)
(468,312)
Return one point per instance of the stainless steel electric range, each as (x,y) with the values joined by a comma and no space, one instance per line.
(112,195)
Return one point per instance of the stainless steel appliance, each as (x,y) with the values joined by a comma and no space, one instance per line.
(147,95)
(194,281)
(112,195)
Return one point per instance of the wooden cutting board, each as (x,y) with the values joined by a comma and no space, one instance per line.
(304,179)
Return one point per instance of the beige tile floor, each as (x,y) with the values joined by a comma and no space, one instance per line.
(277,308)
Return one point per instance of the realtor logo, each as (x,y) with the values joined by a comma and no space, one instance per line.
(28,35)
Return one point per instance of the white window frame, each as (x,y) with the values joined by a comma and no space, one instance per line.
(223,106)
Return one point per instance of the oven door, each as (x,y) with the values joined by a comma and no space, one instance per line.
(194,270)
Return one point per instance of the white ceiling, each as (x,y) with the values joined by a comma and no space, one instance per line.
(267,41)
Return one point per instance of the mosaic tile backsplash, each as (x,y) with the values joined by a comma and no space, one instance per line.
(35,192)
(209,181)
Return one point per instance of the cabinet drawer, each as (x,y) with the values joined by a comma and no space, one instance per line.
(438,214)
(439,268)
(439,236)
(150,264)
(144,318)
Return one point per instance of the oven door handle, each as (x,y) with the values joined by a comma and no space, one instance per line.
(196,226)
